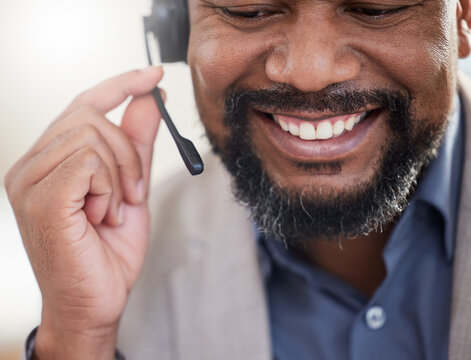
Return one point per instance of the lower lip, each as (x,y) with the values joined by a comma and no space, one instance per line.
(331,149)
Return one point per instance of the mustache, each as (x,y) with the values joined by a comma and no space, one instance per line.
(335,98)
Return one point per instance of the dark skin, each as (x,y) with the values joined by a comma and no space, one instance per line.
(312,44)
(359,262)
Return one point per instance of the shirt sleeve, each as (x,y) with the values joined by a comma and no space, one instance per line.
(28,351)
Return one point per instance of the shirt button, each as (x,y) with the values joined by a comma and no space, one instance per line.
(375,317)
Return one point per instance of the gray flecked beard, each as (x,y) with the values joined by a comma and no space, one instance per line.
(297,216)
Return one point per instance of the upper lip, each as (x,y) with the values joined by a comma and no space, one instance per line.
(316,116)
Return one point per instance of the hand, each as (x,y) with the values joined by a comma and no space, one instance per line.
(79,196)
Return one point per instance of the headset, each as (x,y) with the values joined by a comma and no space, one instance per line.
(169,22)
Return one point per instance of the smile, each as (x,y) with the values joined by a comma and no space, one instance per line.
(321,137)
(319,130)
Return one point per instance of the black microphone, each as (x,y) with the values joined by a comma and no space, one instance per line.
(187,149)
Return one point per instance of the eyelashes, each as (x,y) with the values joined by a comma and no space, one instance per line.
(254,14)
(250,14)
(375,14)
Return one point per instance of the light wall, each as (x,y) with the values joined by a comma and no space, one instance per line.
(51,50)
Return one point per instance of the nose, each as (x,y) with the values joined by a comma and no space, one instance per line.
(313,60)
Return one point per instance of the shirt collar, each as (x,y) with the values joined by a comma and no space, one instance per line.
(440,187)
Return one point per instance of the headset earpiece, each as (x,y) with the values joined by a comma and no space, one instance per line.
(169,22)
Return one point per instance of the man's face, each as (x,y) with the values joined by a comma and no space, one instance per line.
(317,67)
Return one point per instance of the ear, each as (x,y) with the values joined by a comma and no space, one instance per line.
(463,15)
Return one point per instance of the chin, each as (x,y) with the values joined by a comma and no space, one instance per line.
(299,198)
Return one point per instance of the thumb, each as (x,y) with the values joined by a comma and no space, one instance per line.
(140,122)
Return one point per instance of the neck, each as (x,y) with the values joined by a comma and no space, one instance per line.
(358,261)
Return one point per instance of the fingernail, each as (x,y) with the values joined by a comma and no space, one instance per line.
(141,191)
(121,214)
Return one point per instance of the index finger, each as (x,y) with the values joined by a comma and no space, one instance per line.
(109,94)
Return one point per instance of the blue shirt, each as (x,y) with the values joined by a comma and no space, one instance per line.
(314,315)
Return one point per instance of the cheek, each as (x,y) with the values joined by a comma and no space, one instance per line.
(222,57)
(210,77)
(217,62)
(421,60)
(209,66)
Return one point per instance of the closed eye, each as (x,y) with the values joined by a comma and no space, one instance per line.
(372,14)
(249,14)
(245,14)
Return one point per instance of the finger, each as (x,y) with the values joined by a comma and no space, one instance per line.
(125,153)
(103,98)
(112,92)
(85,136)
(141,122)
(81,176)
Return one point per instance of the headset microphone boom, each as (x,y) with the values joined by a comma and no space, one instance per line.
(170,25)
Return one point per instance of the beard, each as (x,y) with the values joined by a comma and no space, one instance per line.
(296,216)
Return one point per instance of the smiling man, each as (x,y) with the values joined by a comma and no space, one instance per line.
(343,128)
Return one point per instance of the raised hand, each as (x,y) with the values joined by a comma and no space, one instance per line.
(79,196)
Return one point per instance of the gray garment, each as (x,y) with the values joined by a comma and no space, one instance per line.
(315,315)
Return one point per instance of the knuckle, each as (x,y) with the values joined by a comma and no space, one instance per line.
(81,112)
(92,136)
(90,158)
(86,112)
(77,114)
(89,132)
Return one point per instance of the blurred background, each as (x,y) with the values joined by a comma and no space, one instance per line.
(50,51)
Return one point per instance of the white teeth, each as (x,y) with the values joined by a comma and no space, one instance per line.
(324,131)
(350,123)
(339,127)
(293,129)
(307,131)
(284,125)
